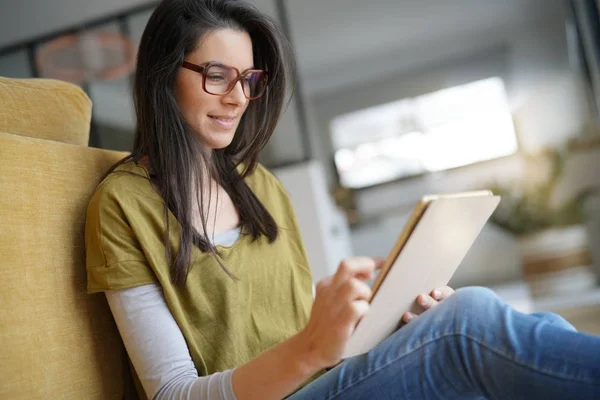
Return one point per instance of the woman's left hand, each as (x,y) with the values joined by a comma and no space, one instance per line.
(426,301)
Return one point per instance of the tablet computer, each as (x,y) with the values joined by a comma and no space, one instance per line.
(431,246)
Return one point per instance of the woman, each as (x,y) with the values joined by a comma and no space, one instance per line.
(197,249)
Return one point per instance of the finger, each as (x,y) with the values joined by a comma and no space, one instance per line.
(408,316)
(379,262)
(355,289)
(359,309)
(361,267)
(442,293)
(354,312)
(426,301)
(323,284)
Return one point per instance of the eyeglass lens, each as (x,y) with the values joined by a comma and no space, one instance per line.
(219,80)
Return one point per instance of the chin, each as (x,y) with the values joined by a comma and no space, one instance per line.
(219,143)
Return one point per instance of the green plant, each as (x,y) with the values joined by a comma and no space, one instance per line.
(526,208)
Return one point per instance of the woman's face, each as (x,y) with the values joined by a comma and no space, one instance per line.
(214,118)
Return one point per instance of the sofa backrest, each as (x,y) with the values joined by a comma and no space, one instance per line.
(56,341)
(45,109)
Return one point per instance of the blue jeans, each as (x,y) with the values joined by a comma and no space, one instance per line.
(471,346)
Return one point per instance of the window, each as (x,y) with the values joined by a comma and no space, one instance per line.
(446,129)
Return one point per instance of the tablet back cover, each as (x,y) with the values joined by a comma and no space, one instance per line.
(428,259)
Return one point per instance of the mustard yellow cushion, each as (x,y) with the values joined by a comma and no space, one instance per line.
(45,109)
(56,341)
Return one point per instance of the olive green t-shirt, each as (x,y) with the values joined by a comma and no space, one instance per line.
(225,323)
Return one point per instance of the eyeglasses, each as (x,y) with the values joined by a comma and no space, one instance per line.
(219,79)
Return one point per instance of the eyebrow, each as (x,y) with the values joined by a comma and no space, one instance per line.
(222,63)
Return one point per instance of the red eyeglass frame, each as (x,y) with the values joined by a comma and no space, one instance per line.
(201,68)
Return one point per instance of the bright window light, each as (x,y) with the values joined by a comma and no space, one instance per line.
(446,129)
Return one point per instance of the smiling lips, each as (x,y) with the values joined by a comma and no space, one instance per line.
(223,121)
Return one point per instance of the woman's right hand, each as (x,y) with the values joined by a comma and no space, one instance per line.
(340,302)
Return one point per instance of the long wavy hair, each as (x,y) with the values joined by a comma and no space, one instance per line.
(181,166)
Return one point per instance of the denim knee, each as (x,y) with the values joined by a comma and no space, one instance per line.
(475,294)
(555,320)
(476,301)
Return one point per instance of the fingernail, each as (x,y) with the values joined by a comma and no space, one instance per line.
(409,317)
(437,294)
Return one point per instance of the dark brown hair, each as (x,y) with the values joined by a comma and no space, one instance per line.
(179,162)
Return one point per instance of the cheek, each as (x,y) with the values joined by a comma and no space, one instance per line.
(245,107)
(193,103)
(187,93)
(198,102)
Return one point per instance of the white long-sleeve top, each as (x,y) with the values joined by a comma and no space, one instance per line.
(157,348)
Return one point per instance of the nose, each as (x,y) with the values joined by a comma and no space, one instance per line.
(236,96)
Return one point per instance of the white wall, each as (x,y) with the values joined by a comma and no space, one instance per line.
(325,233)
(546,93)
